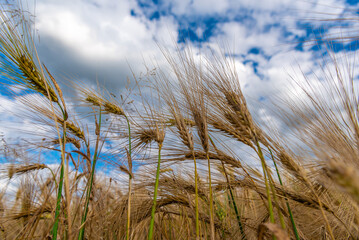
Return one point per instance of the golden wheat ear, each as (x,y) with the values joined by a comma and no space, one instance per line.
(18,170)
(19,65)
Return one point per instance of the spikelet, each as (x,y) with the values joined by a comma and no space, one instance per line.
(186,136)
(73,128)
(108,106)
(24,169)
(290,164)
(125,170)
(93,100)
(231,131)
(74,141)
(202,128)
(112,108)
(146,136)
(174,122)
(344,176)
(241,118)
(34,79)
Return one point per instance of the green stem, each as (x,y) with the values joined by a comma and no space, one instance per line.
(281,218)
(129,181)
(232,196)
(58,202)
(237,214)
(286,200)
(61,182)
(89,187)
(129,135)
(152,223)
(88,194)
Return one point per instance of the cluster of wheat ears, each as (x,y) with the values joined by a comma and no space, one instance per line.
(182,156)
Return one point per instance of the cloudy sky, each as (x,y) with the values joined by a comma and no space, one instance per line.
(89,40)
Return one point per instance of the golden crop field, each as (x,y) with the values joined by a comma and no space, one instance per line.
(195,162)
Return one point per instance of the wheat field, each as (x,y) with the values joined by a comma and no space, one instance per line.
(194,161)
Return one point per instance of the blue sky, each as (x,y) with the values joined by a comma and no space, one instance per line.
(90,40)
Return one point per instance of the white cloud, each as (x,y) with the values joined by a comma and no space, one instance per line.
(99,39)
(246,38)
(210,6)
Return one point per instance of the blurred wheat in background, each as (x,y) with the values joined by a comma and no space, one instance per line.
(182,150)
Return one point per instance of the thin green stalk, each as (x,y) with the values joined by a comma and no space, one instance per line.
(152,223)
(232,196)
(89,187)
(61,182)
(129,180)
(62,145)
(88,194)
(58,202)
(237,214)
(295,231)
(281,218)
(271,185)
